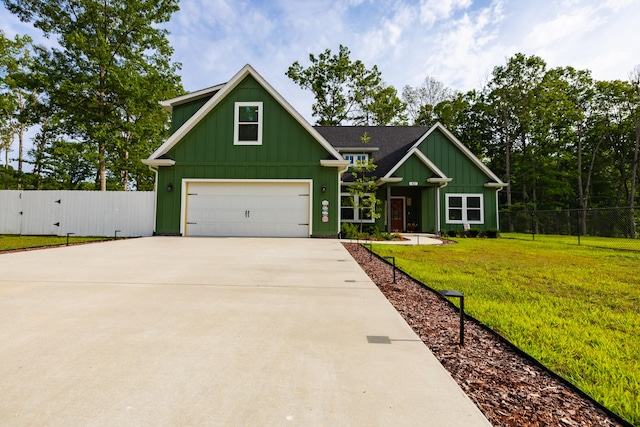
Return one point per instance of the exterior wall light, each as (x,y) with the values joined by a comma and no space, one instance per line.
(170,187)
(324,188)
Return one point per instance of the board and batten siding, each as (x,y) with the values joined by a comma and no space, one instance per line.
(83,213)
(467,178)
(288,151)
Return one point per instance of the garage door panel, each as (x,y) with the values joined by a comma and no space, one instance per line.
(247,209)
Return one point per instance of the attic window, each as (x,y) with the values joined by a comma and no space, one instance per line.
(356,158)
(247,123)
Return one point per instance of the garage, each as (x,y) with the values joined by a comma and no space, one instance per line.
(246,208)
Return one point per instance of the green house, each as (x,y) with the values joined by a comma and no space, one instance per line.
(242,162)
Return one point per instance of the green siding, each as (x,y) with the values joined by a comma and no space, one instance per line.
(181,113)
(468,178)
(288,151)
(413,170)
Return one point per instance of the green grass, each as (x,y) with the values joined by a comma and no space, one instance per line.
(574,308)
(11,242)
(599,242)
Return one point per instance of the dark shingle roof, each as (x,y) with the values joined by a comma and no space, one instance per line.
(392,142)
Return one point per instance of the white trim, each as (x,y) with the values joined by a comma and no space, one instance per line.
(353,161)
(168,104)
(496,182)
(158,162)
(247,70)
(465,150)
(237,123)
(356,209)
(392,179)
(358,149)
(187,181)
(439,181)
(498,185)
(464,208)
(424,159)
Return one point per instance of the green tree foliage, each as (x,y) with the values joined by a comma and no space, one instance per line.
(18,103)
(346,92)
(103,79)
(421,101)
(363,188)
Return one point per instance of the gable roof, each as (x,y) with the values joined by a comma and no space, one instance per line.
(495,181)
(396,144)
(191,96)
(218,93)
(392,142)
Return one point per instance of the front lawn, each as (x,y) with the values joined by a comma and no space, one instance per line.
(575,309)
(13,242)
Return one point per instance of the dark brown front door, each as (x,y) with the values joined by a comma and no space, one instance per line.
(397,214)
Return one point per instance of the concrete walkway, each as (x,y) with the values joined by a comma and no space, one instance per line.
(168,331)
(411,240)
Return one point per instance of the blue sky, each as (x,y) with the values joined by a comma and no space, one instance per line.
(458,42)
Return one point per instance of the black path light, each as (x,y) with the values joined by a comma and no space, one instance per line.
(393,259)
(68,238)
(456,294)
(115,235)
(370,250)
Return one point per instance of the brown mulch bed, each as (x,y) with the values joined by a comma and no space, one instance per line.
(509,389)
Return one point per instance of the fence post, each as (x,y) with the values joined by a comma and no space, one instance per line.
(533,230)
(579,225)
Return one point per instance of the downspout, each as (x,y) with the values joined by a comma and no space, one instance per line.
(497,209)
(437,230)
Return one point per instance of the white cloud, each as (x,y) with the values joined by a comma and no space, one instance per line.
(434,10)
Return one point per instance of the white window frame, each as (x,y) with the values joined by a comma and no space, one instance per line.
(355,158)
(237,123)
(464,208)
(356,209)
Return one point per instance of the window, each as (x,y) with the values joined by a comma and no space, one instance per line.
(248,123)
(356,158)
(465,209)
(350,211)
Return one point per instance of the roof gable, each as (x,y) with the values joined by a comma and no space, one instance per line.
(466,153)
(396,145)
(218,93)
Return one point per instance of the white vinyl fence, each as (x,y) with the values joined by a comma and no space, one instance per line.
(83,213)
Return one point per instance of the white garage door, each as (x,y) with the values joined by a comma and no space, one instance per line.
(247,209)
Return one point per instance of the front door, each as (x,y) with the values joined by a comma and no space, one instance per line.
(397,214)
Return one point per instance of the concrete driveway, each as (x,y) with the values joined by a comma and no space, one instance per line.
(169,331)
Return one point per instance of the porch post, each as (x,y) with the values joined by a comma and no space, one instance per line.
(388,213)
(437,212)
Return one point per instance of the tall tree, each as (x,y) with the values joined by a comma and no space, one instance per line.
(346,91)
(102,46)
(510,97)
(17,101)
(421,101)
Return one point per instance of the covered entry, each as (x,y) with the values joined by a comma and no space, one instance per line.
(246,208)
(411,209)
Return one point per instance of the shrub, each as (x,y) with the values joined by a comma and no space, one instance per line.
(452,233)
(351,231)
(492,233)
(473,232)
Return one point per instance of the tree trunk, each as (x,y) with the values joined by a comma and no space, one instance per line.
(634,175)
(20,132)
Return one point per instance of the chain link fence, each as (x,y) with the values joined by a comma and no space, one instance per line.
(617,228)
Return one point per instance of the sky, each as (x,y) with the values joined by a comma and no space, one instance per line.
(457,42)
